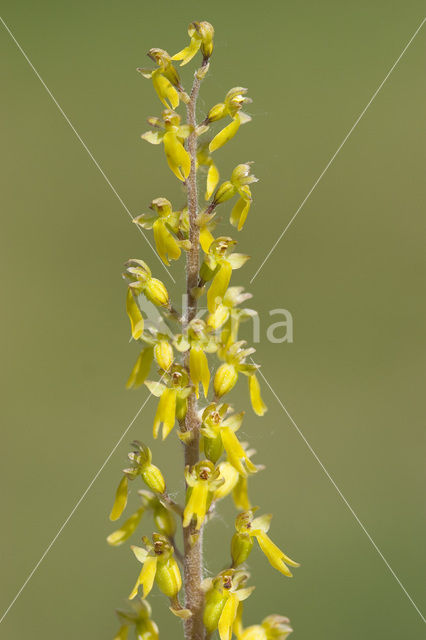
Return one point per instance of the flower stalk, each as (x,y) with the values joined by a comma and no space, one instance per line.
(217,464)
(192,539)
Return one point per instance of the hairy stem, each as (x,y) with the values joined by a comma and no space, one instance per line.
(193,550)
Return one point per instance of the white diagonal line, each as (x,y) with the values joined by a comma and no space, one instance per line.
(74,509)
(84,145)
(342,496)
(330,162)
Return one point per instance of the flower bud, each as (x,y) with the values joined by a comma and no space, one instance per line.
(206,31)
(163,352)
(153,478)
(213,448)
(214,603)
(217,112)
(151,474)
(225,379)
(225,192)
(168,576)
(241,546)
(156,292)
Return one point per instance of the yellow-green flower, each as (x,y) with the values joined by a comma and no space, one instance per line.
(218,266)
(141,461)
(141,465)
(198,342)
(201,34)
(239,183)
(173,399)
(160,348)
(226,375)
(172,134)
(138,618)
(273,627)
(231,106)
(159,565)
(223,595)
(138,272)
(227,314)
(166,224)
(202,479)
(247,526)
(165,79)
(163,519)
(219,433)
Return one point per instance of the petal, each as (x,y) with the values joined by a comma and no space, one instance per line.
(135,315)
(239,213)
(240,494)
(197,504)
(165,90)
(165,243)
(237,260)
(225,135)
(259,407)
(188,52)
(234,421)
(227,618)
(184,130)
(156,388)
(225,379)
(274,554)
(141,554)
(145,220)
(126,530)
(199,369)
(219,286)
(177,157)
(153,137)
(230,476)
(120,499)
(166,413)
(234,450)
(206,238)
(169,411)
(147,575)
(212,180)
(141,369)
(218,318)
(262,522)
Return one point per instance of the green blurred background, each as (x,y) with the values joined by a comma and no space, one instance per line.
(350,269)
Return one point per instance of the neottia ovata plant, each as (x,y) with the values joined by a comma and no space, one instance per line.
(216,464)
